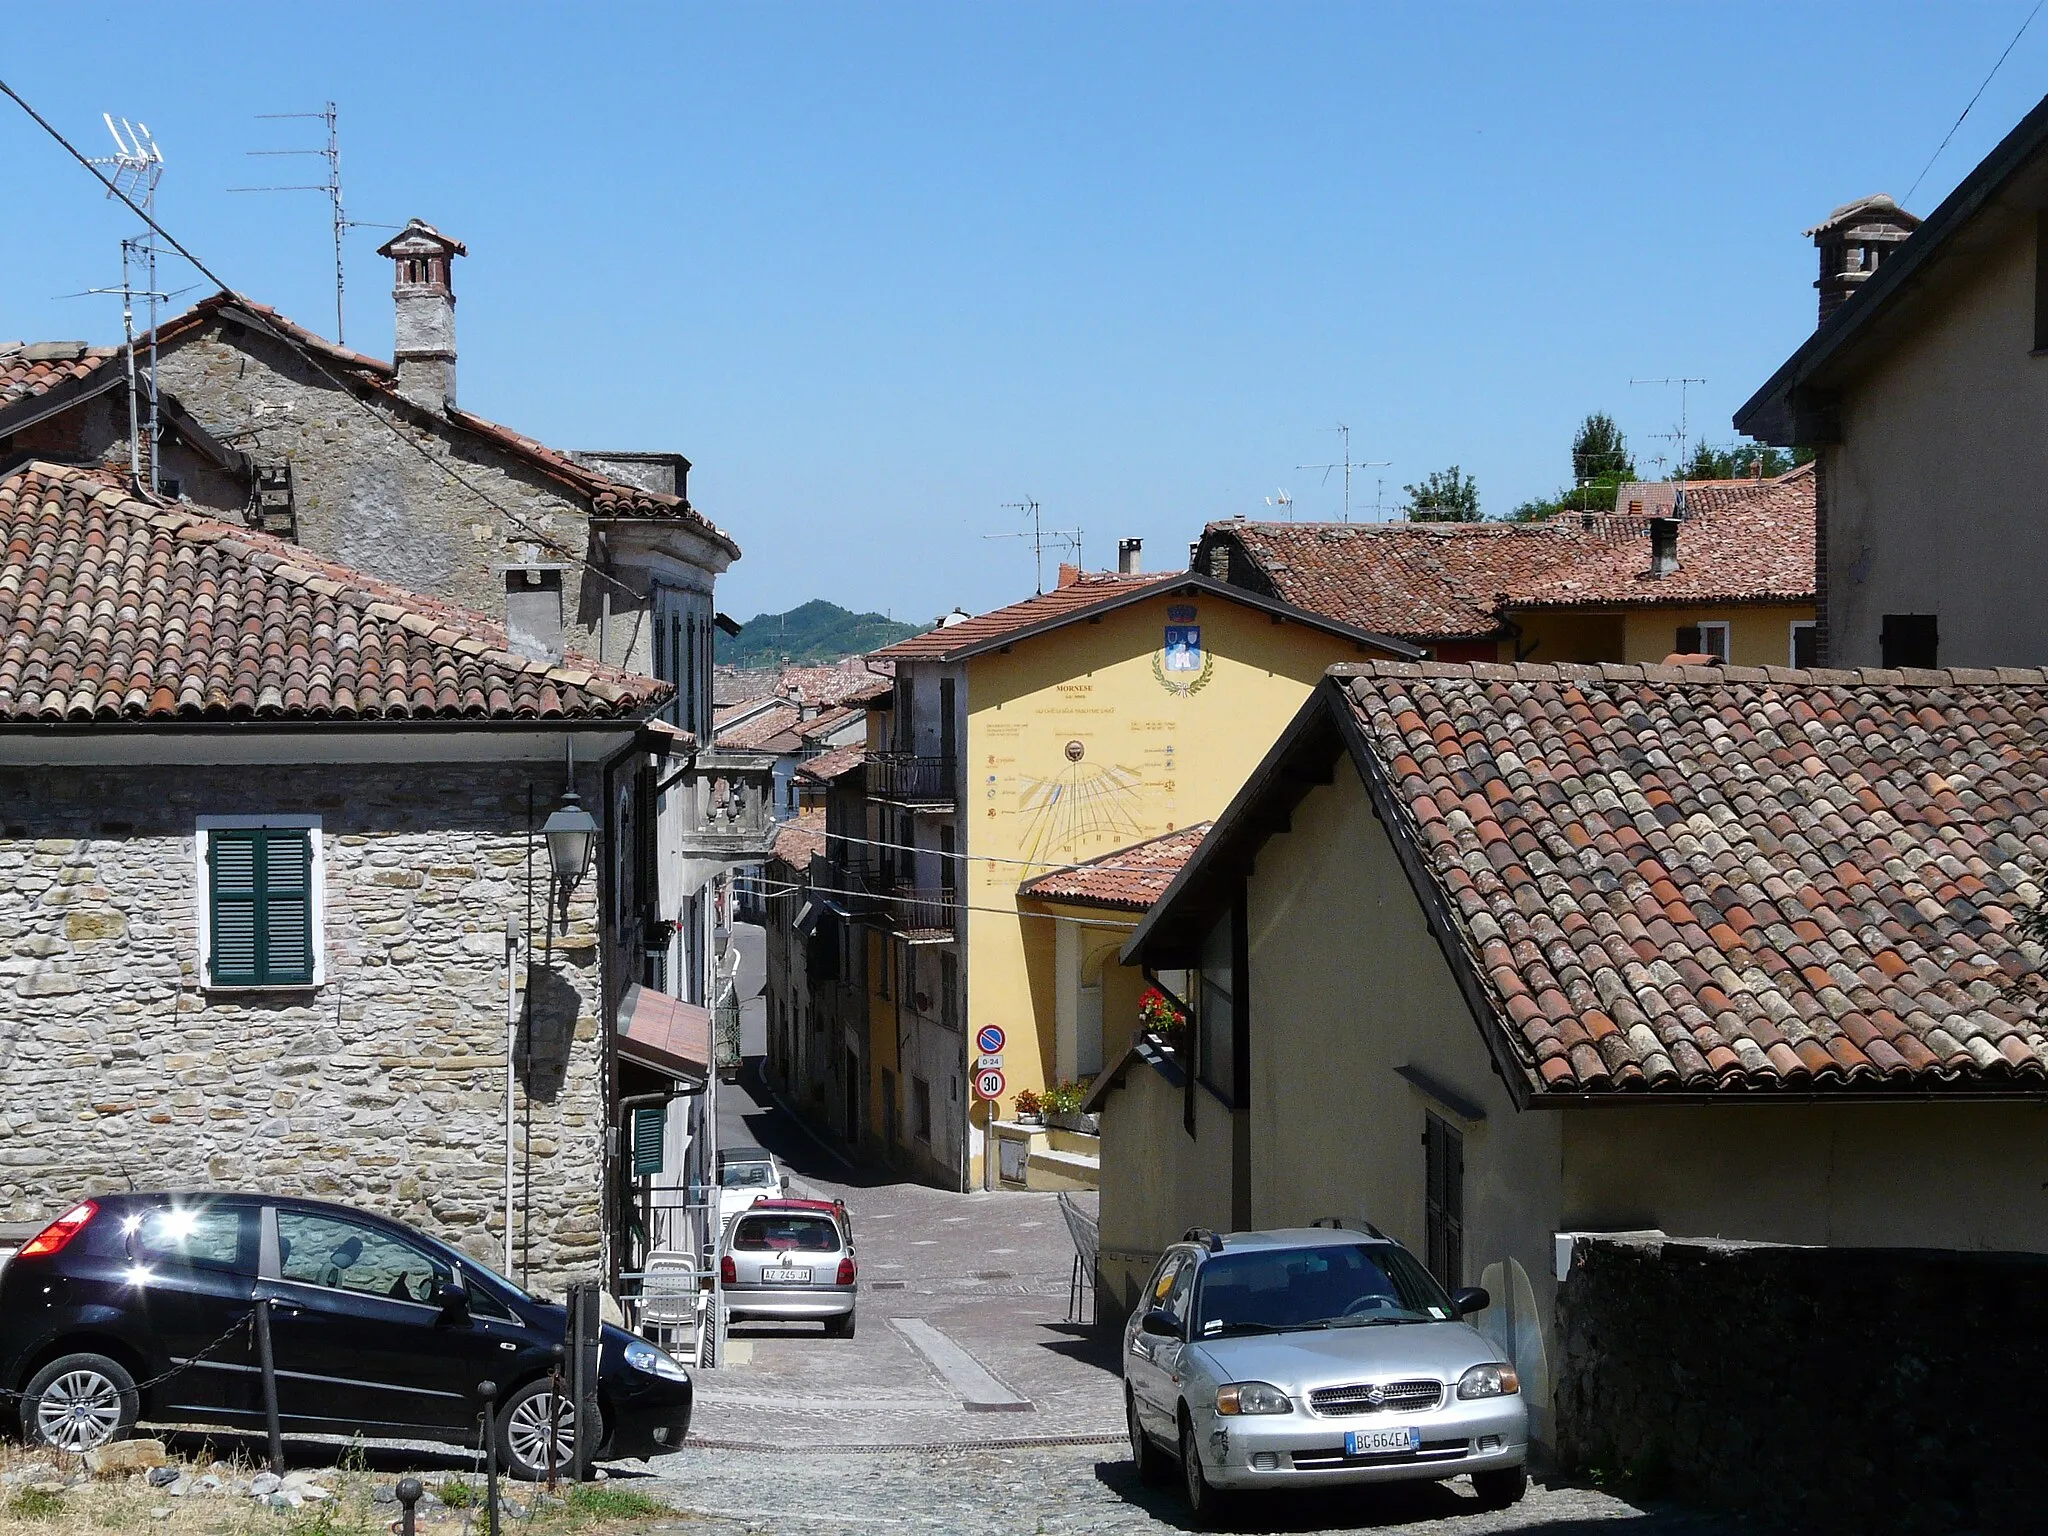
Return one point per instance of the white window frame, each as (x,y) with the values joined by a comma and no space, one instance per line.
(1708,628)
(1792,640)
(203,895)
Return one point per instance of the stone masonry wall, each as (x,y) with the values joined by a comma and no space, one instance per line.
(368,499)
(383,1088)
(1818,1389)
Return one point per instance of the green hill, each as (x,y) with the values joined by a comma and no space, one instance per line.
(816,631)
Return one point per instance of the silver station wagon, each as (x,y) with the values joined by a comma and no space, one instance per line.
(791,1261)
(1315,1356)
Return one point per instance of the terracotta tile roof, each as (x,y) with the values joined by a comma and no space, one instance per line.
(607,497)
(29,369)
(1745,540)
(1741,541)
(801,839)
(1130,878)
(1710,879)
(827,721)
(772,730)
(827,767)
(984,628)
(115,608)
(841,682)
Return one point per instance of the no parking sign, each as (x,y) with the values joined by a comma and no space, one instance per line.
(990,1038)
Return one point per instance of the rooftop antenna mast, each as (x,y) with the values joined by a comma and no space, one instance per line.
(331,153)
(134,169)
(1679,438)
(1347,464)
(1040,535)
(1284,502)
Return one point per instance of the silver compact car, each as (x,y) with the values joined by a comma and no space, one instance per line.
(1315,1356)
(790,1261)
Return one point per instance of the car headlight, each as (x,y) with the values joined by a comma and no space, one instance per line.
(1489,1381)
(1252,1397)
(642,1356)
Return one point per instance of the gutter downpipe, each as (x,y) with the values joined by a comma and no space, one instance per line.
(514,943)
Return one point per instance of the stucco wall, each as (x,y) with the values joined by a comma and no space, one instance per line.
(1969,1176)
(1157,1181)
(1346,986)
(383,1088)
(1759,634)
(1934,491)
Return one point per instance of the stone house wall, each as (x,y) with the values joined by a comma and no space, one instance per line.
(373,488)
(384,1087)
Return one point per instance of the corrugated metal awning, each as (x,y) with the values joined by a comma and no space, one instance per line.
(665,1033)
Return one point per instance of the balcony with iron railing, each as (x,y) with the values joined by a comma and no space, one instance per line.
(905,778)
(874,886)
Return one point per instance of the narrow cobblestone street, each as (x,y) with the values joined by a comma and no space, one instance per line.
(891,1431)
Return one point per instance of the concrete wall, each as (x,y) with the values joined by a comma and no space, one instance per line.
(1968,1176)
(384,1087)
(1933,492)
(1346,986)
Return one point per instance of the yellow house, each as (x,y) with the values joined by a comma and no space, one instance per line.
(1723,567)
(1077,723)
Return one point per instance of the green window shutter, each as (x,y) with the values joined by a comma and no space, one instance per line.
(648,1123)
(262,906)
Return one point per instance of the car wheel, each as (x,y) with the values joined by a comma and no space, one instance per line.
(1497,1490)
(1151,1467)
(78,1402)
(1205,1503)
(523,1426)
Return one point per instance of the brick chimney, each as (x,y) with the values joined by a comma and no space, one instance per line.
(424,297)
(1127,556)
(1853,241)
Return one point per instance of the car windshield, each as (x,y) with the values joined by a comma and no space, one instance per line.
(1339,1286)
(787,1234)
(747,1176)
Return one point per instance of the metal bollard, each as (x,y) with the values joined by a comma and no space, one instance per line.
(267,1363)
(555,1415)
(488,1391)
(409,1491)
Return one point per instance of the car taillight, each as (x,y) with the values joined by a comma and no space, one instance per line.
(59,1232)
(845,1272)
(728,1272)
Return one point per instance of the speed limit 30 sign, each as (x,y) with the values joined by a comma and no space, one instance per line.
(989,1083)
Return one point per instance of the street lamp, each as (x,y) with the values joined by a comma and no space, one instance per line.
(572,837)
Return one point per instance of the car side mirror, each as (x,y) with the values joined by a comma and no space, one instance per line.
(1471,1299)
(785,1183)
(1161,1324)
(452,1297)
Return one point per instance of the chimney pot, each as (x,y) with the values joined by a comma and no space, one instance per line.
(423,295)
(533,611)
(1127,556)
(1854,241)
(1663,546)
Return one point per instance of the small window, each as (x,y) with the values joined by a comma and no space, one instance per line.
(1805,643)
(1703,640)
(921,1110)
(1215,1053)
(1909,640)
(261,909)
(1443,1226)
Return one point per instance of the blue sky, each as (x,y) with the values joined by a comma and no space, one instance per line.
(880,269)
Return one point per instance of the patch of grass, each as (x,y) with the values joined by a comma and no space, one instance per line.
(603,1501)
(456,1495)
(35,1504)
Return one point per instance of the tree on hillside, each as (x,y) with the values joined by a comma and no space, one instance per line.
(1444,496)
(1740,461)
(1600,466)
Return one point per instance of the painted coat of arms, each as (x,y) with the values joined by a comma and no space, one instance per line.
(1180,665)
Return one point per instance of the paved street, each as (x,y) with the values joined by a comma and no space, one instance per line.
(964,1304)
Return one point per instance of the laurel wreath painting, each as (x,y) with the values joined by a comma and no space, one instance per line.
(1194,684)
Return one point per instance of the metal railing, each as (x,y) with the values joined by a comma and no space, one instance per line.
(905,778)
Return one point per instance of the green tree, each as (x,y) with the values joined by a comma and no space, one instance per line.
(1740,461)
(1601,465)
(1444,496)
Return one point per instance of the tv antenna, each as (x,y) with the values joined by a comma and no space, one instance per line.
(1284,502)
(1040,535)
(331,153)
(134,169)
(1678,438)
(1347,464)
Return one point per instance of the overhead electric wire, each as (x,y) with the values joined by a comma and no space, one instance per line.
(541,535)
(995,858)
(1973,100)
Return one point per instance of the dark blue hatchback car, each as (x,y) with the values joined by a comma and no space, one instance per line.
(376,1329)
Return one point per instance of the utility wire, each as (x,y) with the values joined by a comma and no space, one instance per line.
(1973,100)
(976,858)
(791,888)
(541,536)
